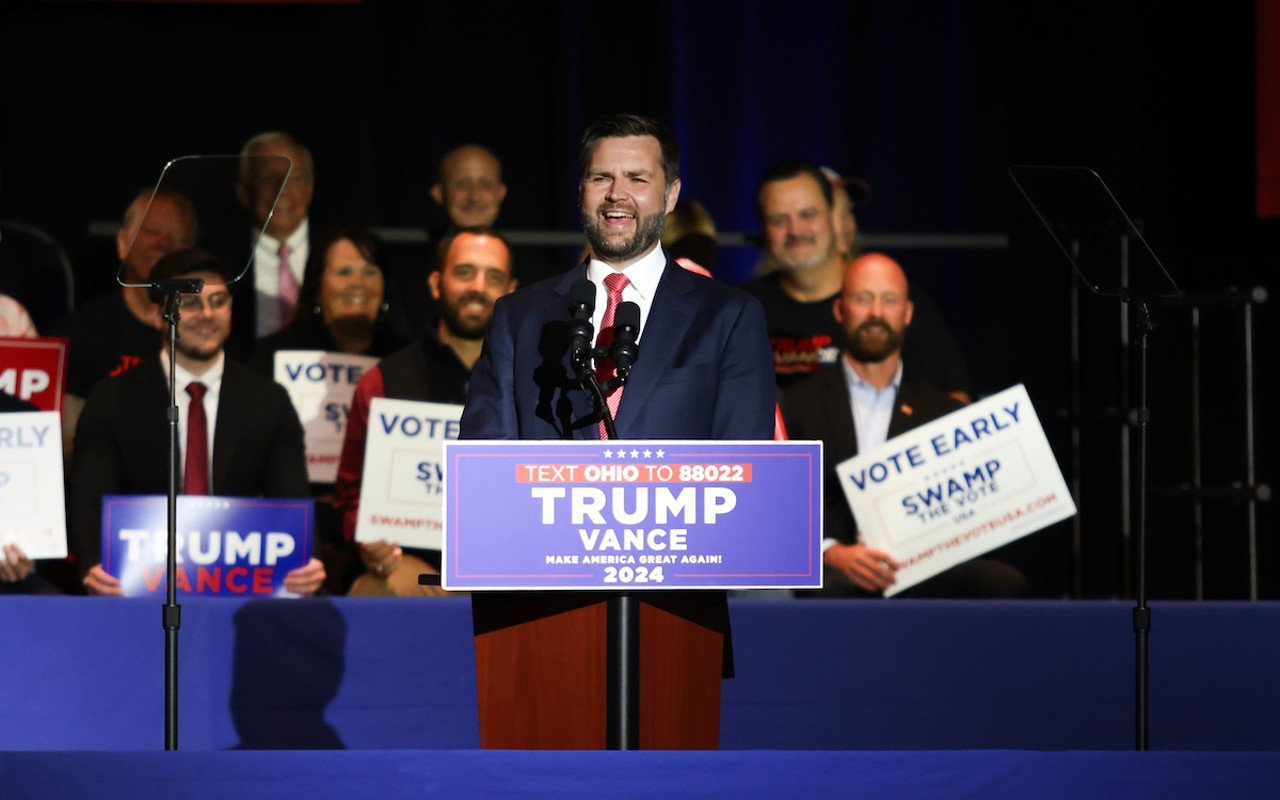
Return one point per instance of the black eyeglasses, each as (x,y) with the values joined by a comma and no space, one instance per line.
(194,302)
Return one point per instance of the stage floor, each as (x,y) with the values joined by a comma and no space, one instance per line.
(465,774)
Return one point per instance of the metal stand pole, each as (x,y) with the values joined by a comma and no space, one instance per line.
(1142,613)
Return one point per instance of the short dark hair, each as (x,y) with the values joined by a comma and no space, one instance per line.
(793,168)
(446,242)
(369,245)
(616,126)
(187,261)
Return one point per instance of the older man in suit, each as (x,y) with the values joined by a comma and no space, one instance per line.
(858,404)
(239,433)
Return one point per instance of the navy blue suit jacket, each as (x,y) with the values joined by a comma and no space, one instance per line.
(705,369)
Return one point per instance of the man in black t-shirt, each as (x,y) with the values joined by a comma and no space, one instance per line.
(113,333)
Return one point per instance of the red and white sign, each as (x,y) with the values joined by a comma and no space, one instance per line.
(34,370)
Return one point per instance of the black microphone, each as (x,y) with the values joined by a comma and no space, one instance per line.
(582,304)
(626,330)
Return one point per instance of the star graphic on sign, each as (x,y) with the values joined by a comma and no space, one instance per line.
(661,453)
(648,453)
(608,454)
(635,453)
(622,453)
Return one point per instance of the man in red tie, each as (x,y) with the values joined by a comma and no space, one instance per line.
(238,432)
(704,371)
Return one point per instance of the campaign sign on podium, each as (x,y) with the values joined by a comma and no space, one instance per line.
(32,510)
(403,483)
(34,370)
(227,546)
(632,515)
(957,487)
(321,386)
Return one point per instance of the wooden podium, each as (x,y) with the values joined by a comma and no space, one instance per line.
(542,674)
(576,647)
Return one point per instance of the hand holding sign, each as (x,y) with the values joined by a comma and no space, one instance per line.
(15,566)
(868,568)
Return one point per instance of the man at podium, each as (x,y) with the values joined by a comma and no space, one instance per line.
(704,371)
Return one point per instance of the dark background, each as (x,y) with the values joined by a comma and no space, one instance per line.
(930,102)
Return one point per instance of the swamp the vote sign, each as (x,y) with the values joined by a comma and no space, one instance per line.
(403,483)
(957,487)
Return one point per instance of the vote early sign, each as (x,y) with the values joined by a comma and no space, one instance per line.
(227,546)
(957,487)
(632,515)
(32,510)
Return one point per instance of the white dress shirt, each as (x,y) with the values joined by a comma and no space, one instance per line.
(872,406)
(872,411)
(266,274)
(212,379)
(643,276)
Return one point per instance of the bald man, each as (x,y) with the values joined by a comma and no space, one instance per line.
(857,405)
(469,187)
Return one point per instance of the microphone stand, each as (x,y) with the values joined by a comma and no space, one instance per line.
(622,725)
(1141,611)
(171,612)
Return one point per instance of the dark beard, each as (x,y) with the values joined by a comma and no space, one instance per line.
(648,231)
(873,352)
(449,313)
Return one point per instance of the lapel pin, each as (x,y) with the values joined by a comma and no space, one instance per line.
(906,409)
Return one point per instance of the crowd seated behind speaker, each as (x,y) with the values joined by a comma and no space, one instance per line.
(114,332)
(474,270)
(253,447)
(810,243)
(689,237)
(869,396)
(267,297)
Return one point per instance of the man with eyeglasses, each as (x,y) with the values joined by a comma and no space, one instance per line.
(253,445)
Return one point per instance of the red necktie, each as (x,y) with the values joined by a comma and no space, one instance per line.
(195,475)
(288,288)
(606,370)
